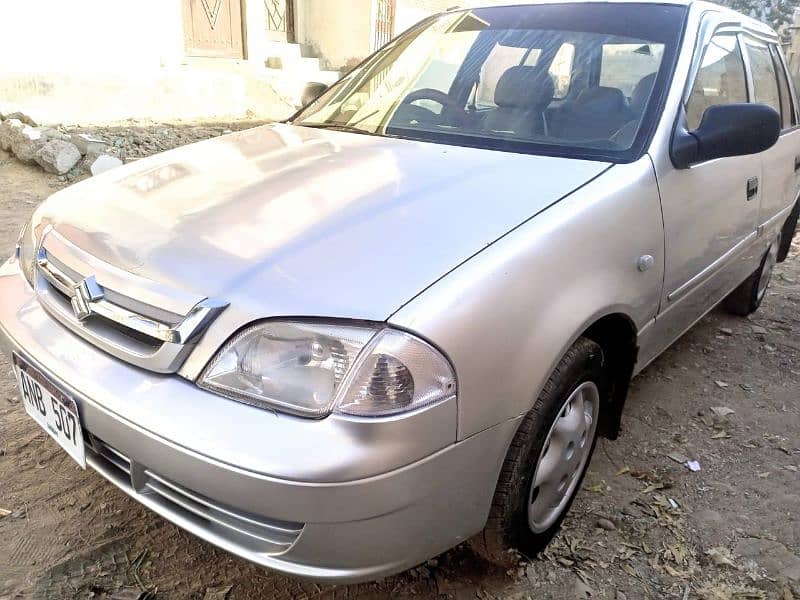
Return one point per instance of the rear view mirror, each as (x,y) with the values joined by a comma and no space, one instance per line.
(727,130)
(312,91)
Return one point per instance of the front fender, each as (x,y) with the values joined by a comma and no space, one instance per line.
(507,316)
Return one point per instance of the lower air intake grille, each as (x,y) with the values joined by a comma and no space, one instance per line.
(253,532)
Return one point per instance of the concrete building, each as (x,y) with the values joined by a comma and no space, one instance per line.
(110,60)
(791,47)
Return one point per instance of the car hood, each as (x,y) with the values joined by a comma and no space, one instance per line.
(295,221)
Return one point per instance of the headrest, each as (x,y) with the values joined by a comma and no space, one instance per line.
(525,87)
(602,99)
(641,93)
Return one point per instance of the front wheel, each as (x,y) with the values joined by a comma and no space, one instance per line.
(548,457)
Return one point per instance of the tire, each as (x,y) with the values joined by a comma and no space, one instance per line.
(747,298)
(516,521)
(789,230)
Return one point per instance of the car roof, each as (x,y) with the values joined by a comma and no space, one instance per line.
(701,5)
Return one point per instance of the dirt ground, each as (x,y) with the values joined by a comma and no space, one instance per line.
(643,526)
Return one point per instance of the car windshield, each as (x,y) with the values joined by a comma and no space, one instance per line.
(568,79)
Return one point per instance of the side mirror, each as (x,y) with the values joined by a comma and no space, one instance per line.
(312,91)
(727,130)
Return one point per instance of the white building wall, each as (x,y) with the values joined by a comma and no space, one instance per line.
(338,31)
(95,61)
(410,12)
(55,36)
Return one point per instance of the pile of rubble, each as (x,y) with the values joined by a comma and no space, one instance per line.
(54,149)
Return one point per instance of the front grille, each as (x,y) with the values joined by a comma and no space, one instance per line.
(100,327)
(81,292)
(253,532)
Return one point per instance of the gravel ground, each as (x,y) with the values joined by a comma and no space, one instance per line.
(643,526)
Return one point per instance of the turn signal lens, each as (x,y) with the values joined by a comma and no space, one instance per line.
(399,373)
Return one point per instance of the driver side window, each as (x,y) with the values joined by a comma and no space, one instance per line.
(720,79)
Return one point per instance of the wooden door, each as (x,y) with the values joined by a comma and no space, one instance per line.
(280,20)
(213,28)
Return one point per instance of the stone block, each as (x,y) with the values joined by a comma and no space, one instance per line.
(104,163)
(26,144)
(9,129)
(86,144)
(58,156)
(20,116)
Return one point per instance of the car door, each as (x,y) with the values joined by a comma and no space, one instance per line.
(710,209)
(781,163)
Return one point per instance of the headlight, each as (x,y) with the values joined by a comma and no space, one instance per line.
(26,251)
(312,370)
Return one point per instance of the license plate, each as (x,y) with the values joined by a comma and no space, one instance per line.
(52,409)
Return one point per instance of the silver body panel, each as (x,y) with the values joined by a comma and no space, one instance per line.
(499,260)
(564,286)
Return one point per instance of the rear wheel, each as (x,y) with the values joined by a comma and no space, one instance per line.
(548,458)
(746,299)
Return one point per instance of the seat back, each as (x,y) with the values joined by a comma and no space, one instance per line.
(597,113)
(522,95)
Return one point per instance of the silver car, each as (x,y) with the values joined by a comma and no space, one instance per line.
(341,345)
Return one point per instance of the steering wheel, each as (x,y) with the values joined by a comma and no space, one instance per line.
(450,107)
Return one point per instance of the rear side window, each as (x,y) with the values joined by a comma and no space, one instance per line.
(625,65)
(720,79)
(787,107)
(765,80)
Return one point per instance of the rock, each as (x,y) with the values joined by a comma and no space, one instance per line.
(26,143)
(104,163)
(774,557)
(53,134)
(86,144)
(606,524)
(9,129)
(758,330)
(23,118)
(726,331)
(58,156)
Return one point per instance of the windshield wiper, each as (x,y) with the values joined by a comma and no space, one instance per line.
(337,127)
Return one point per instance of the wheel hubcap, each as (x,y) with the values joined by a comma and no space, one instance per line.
(564,455)
(766,272)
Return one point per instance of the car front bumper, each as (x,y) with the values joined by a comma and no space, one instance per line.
(336,500)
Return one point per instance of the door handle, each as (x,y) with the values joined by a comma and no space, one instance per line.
(752,188)
(796,164)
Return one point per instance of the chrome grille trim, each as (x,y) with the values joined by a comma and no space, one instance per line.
(254,532)
(135,337)
(79,262)
(182,333)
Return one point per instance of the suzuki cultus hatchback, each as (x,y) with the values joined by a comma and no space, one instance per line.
(340,345)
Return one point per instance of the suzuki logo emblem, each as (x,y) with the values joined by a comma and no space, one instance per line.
(86,292)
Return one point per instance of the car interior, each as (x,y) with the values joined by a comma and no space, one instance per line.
(597,96)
